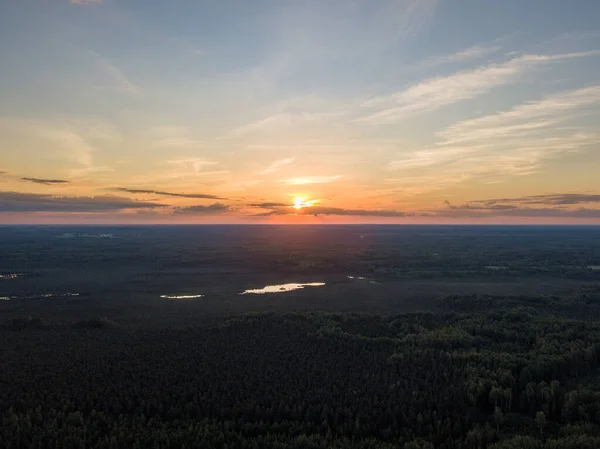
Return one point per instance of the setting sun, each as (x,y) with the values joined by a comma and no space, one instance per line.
(301,202)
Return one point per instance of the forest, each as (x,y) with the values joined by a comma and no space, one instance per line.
(482,372)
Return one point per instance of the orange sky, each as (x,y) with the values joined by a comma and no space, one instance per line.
(372,112)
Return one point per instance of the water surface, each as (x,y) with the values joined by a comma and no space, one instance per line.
(280,288)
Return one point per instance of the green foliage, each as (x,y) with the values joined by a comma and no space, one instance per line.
(518,442)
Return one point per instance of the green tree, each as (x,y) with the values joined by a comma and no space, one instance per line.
(498,418)
(540,420)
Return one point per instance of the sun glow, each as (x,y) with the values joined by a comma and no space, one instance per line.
(301,202)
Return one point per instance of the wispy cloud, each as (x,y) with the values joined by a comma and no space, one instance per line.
(85,2)
(311,180)
(283,122)
(474,52)
(435,93)
(45,181)
(547,112)
(194,164)
(509,156)
(344,31)
(513,142)
(431,156)
(163,193)
(401,20)
(467,54)
(277,165)
(275,122)
(111,71)
(81,150)
(74,139)
(493,164)
(34,202)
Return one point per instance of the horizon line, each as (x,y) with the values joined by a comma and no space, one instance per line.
(14,225)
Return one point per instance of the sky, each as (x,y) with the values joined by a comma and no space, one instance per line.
(300,111)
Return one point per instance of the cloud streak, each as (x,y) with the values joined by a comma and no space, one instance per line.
(216,208)
(474,52)
(435,93)
(110,70)
(467,54)
(73,139)
(275,122)
(163,193)
(35,202)
(526,117)
(275,166)
(47,182)
(268,205)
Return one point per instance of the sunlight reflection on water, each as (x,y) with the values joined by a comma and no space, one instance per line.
(40,296)
(181,296)
(279,288)
(10,275)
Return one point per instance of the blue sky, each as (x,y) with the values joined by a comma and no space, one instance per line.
(355,110)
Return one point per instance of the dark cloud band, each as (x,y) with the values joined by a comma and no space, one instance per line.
(163,193)
(556,199)
(35,202)
(268,205)
(491,208)
(318,210)
(215,208)
(45,181)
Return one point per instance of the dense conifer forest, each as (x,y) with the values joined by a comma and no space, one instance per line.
(484,372)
